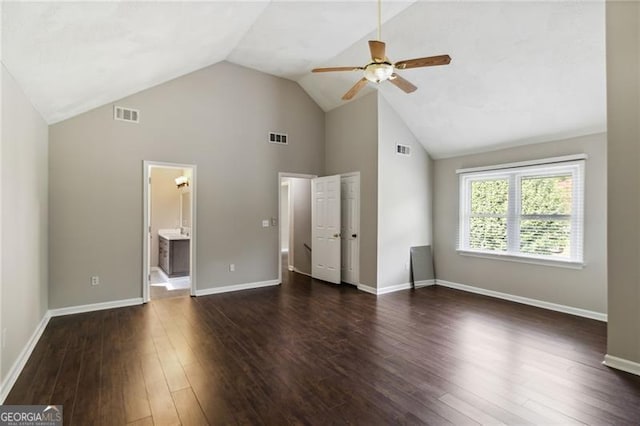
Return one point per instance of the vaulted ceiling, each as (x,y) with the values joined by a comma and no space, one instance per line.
(522,72)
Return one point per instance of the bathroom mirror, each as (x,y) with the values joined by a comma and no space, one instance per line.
(185,209)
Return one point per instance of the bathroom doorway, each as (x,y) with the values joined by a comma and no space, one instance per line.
(169,230)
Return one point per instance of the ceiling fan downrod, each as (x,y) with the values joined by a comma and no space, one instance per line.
(379,20)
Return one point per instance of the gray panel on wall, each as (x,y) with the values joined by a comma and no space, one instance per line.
(421,264)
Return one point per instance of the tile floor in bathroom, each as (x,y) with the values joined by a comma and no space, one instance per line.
(161,288)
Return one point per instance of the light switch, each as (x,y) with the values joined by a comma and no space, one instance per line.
(265,223)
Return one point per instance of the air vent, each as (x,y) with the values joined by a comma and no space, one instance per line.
(403,149)
(279,138)
(126,114)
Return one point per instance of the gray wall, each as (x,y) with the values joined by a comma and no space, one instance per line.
(217,118)
(585,288)
(352,146)
(301,208)
(404,197)
(165,205)
(24,219)
(623,110)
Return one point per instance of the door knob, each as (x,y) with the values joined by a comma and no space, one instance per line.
(336,235)
(354,235)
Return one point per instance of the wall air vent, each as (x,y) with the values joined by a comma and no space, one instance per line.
(126,114)
(403,149)
(278,138)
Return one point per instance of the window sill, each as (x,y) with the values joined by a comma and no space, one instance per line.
(523,259)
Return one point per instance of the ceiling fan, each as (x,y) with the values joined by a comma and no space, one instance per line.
(381,69)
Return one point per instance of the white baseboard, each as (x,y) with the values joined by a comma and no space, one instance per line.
(622,364)
(393,288)
(367,289)
(298,271)
(95,307)
(236,287)
(290,268)
(424,283)
(22,359)
(526,301)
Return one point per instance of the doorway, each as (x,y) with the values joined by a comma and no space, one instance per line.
(169,230)
(294,219)
(295,241)
(285,222)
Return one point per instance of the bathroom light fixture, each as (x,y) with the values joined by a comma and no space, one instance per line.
(182,181)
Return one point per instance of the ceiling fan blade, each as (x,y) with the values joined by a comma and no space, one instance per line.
(355,89)
(423,62)
(331,69)
(377,49)
(403,84)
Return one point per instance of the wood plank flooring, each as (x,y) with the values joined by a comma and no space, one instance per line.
(312,353)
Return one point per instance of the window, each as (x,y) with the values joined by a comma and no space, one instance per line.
(528,211)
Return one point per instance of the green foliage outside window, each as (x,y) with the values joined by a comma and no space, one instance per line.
(489,197)
(546,196)
(539,196)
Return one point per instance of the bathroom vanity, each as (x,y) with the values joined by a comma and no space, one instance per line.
(173,256)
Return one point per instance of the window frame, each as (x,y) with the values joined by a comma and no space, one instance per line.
(514,216)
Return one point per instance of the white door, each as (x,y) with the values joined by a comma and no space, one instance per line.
(350,202)
(325,228)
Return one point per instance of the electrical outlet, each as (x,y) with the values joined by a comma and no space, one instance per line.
(95,280)
(232,267)
(265,223)
(274,221)
(4,338)
(406,266)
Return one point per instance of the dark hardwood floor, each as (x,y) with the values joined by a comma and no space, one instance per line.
(313,353)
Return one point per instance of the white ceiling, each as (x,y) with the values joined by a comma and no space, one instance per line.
(522,72)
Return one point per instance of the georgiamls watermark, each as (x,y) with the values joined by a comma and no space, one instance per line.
(30,415)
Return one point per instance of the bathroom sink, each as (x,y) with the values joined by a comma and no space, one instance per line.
(173,235)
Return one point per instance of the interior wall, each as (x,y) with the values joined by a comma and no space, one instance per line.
(203,119)
(404,197)
(2,71)
(584,288)
(352,146)
(284,217)
(24,219)
(623,111)
(165,205)
(301,203)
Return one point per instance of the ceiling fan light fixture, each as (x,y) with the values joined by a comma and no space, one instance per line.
(377,72)
(381,69)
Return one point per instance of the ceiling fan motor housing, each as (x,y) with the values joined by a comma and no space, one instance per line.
(377,72)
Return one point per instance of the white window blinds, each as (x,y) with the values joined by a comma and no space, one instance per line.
(533,211)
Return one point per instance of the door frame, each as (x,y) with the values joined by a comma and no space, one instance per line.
(282,175)
(289,213)
(146,201)
(357,265)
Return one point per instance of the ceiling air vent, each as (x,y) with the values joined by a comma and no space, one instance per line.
(278,138)
(126,114)
(403,149)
